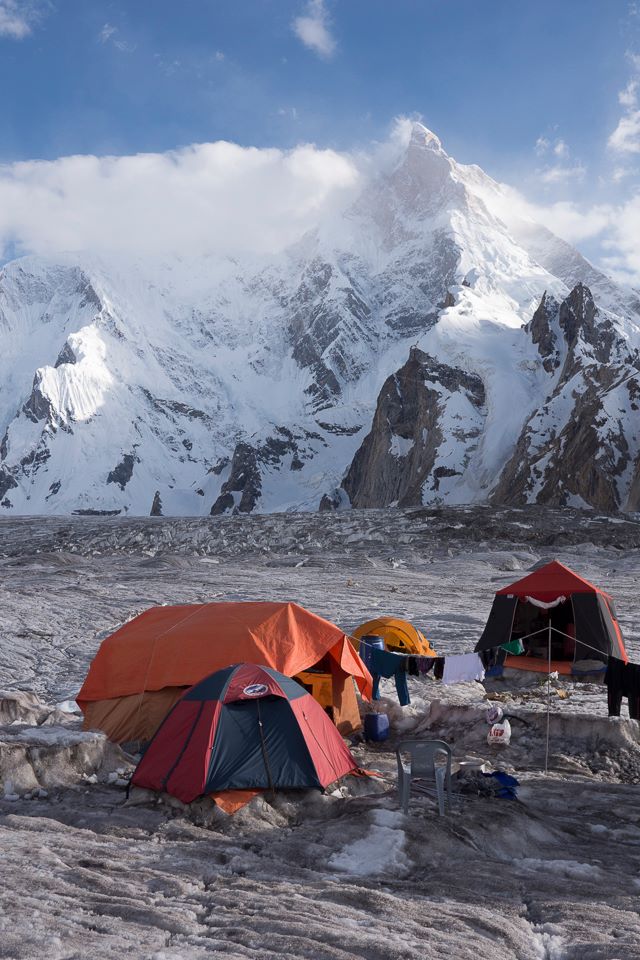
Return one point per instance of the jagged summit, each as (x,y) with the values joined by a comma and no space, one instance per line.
(423,177)
(422,346)
(423,138)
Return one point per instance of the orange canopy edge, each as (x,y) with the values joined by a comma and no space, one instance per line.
(175,646)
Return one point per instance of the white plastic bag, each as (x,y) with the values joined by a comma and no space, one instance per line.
(494,713)
(500,734)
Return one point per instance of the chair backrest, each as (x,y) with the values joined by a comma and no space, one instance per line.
(423,754)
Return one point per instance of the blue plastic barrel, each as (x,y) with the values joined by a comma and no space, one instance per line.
(368,643)
(376,726)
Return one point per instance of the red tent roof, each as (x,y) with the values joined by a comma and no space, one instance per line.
(548,582)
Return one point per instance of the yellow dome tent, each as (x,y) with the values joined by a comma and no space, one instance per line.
(398,635)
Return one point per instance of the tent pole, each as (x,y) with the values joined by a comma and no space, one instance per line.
(546,755)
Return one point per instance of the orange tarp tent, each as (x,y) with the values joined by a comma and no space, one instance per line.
(143,668)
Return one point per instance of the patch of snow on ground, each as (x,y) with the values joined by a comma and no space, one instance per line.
(548,946)
(571,869)
(381,850)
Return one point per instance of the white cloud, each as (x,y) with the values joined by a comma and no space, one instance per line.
(572,222)
(621,173)
(109,34)
(614,228)
(290,112)
(223,199)
(629,96)
(562,174)
(561,149)
(560,171)
(124,46)
(209,198)
(313,29)
(623,259)
(219,56)
(567,219)
(17,18)
(626,137)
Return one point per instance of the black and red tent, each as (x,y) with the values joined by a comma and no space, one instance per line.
(245,727)
(555,605)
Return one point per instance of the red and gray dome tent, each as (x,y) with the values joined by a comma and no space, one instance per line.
(241,728)
(582,619)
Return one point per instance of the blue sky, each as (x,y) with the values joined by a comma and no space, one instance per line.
(534,92)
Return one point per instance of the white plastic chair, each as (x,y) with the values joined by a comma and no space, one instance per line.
(422,766)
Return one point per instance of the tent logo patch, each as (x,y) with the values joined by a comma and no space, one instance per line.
(255,689)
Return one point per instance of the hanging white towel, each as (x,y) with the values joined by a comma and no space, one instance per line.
(543,605)
(462,668)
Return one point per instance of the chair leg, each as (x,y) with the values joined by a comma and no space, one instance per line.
(404,787)
(440,791)
(449,792)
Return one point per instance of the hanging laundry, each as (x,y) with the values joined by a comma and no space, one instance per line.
(438,668)
(425,664)
(546,606)
(633,690)
(462,668)
(623,680)
(514,647)
(412,667)
(386,664)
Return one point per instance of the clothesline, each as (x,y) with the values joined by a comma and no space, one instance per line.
(455,668)
(528,636)
(545,630)
(622,679)
(465,667)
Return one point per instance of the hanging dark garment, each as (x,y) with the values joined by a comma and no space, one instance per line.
(614,679)
(438,668)
(387,664)
(425,664)
(623,680)
(632,686)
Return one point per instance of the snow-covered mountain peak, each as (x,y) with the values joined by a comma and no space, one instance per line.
(204,384)
(422,137)
(422,182)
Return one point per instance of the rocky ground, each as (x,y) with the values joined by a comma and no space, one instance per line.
(555,874)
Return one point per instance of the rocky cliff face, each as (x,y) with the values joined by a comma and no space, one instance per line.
(413,348)
(428,420)
(579,446)
(582,445)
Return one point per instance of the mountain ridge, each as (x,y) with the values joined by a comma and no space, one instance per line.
(216,386)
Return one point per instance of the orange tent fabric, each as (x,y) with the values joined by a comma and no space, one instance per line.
(169,648)
(397,635)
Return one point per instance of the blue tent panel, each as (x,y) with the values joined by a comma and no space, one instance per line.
(259,744)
